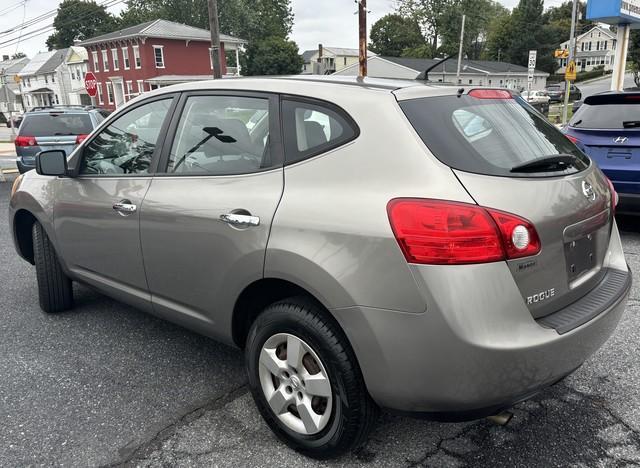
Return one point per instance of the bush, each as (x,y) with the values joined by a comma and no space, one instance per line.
(581,76)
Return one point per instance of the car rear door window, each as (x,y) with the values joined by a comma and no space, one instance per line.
(127,145)
(312,128)
(487,136)
(56,124)
(222,135)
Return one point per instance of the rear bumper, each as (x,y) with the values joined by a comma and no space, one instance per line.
(25,165)
(476,350)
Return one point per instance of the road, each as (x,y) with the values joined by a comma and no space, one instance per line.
(106,385)
(604,84)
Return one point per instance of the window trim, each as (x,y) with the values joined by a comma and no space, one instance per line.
(96,61)
(140,88)
(136,57)
(105,60)
(275,133)
(115,59)
(126,62)
(155,60)
(162,138)
(322,149)
(111,97)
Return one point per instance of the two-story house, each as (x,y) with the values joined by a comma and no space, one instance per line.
(157,53)
(10,95)
(77,65)
(328,60)
(594,48)
(45,80)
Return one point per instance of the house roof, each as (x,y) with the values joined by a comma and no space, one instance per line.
(606,31)
(468,66)
(77,55)
(307,54)
(36,63)
(161,29)
(54,61)
(13,66)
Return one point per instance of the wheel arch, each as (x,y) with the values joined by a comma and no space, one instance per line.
(23,222)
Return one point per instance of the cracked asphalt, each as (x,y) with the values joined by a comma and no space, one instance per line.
(106,385)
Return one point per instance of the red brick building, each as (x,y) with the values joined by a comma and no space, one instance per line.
(149,55)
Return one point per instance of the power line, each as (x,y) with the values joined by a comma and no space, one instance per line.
(50,27)
(12,7)
(24,13)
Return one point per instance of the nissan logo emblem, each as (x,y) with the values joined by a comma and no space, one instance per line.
(621,140)
(588,191)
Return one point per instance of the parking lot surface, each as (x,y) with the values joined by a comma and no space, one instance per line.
(106,385)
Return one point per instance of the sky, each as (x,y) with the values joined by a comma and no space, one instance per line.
(330,22)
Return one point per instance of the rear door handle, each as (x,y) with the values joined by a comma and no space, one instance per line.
(125,207)
(240,219)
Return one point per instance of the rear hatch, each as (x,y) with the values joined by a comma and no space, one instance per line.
(607,128)
(510,158)
(55,130)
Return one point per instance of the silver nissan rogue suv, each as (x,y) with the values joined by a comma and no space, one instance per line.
(368,243)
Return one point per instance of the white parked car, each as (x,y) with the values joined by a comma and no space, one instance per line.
(536,97)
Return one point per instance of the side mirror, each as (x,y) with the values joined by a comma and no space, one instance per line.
(51,163)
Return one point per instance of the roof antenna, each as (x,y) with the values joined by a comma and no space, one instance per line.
(440,62)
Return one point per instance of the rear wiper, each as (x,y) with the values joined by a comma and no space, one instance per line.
(631,124)
(557,162)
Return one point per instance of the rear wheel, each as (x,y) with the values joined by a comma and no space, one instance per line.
(55,291)
(305,380)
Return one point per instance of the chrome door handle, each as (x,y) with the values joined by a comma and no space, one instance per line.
(125,207)
(240,219)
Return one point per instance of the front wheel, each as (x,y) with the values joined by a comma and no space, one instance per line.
(305,380)
(55,290)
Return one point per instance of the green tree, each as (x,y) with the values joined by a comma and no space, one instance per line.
(422,51)
(78,19)
(392,34)
(498,37)
(429,14)
(272,56)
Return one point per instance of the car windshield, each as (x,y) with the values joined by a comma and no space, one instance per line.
(608,112)
(55,124)
(487,136)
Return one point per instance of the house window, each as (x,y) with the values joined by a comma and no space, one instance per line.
(53,78)
(46,78)
(470,81)
(100,100)
(606,45)
(158,53)
(136,56)
(96,65)
(125,57)
(130,89)
(344,61)
(105,61)
(57,101)
(116,61)
(590,44)
(582,47)
(140,86)
(110,92)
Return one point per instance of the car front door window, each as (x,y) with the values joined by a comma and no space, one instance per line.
(127,145)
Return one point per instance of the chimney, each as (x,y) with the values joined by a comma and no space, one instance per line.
(319,52)
(5,58)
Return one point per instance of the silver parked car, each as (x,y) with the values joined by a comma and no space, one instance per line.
(368,243)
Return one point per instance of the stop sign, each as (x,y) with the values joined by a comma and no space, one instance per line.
(91,84)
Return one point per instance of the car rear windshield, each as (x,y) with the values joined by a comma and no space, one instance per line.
(55,124)
(489,136)
(608,112)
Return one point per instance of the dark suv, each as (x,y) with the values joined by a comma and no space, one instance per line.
(54,128)
(556,92)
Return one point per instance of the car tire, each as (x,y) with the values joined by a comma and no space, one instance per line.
(346,417)
(55,290)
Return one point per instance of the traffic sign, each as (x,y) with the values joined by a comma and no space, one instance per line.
(91,84)
(17,78)
(570,74)
(561,53)
(533,56)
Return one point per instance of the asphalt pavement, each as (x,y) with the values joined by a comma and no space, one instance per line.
(604,84)
(106,385)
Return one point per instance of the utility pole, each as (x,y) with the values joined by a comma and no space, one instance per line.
(464,17)
(3,81)
(362,32)
(215,38)
(622,48)
(572,55)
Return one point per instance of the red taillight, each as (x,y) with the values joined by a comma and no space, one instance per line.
(490,94)
(25,141)
(572,139)
(81,138)
(439,232)
(614,196)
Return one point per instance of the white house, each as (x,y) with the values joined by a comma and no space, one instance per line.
(596,47)
(9,87)
(45,79)
(76,67)
(328,60)
(473,72)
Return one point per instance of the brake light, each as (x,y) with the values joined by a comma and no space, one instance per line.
(490,94)
(25,141)
(572,139)
(614,196)
(439,232)
(81,138)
